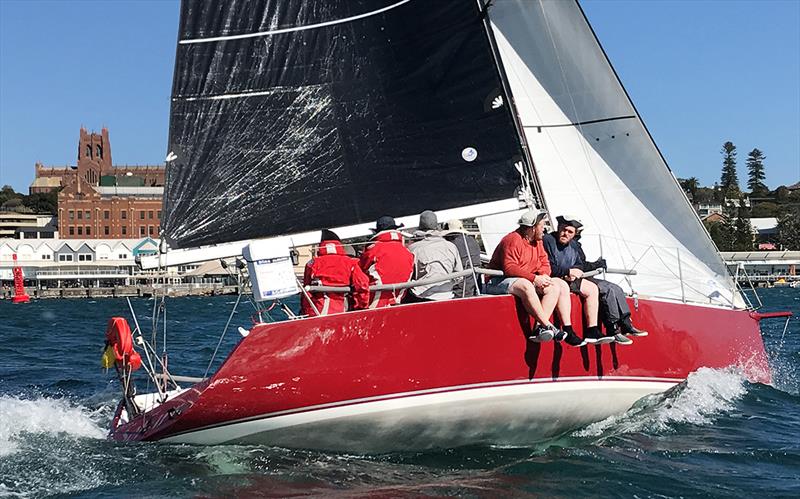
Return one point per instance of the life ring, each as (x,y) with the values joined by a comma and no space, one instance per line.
(120,341)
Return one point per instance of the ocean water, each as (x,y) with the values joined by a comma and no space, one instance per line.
(714,435)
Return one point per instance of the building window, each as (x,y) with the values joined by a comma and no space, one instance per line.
(150,214)
(99,152)
(71,215)
(124,230)
(84,258)
(64,258)
(88,230)
(141,214)
(106,215)
(122,256)
(46,257)
(80,230)
(141,230)
(88,215)
(80,215)
(72,231)
(159,214)
(150,229)
(106,230)
(88,151)
(123,215)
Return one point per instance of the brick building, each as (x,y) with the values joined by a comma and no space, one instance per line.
(100,201)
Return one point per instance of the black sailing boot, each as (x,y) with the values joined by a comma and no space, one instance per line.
(627,328)
(571,338)
(591,335)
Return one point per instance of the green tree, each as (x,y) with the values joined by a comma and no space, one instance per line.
(742,229)
(789,230)
(690,186)
(764,209)
(729,182)
(755,172)
(7,193)
(721,235)
(724,233)
(46,202)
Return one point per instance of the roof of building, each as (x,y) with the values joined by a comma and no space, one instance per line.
(74,244)
(129,191)
(766,223)
(50,182)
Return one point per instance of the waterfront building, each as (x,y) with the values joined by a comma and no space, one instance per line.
(19,225)
(107,265)
(98,200)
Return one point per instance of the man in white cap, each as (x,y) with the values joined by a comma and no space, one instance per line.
(568,262)
(526,268)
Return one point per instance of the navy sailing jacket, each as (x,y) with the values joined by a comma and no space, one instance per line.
(565,257)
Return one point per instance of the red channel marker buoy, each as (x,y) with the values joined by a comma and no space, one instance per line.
(20,296)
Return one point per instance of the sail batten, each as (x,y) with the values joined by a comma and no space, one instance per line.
(390,113)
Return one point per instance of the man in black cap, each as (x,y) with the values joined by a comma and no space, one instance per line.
(434,257)
(602,299)
(386,261)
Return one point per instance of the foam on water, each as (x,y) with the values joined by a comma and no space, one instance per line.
(704,395)
(44,416)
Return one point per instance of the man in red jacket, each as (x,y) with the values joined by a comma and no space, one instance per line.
(333,267)
(526,268)
(387,261)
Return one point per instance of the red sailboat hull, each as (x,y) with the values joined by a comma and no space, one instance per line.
(438,374)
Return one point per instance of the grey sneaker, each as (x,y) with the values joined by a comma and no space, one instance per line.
(622,339)
(542,334)
(605,339)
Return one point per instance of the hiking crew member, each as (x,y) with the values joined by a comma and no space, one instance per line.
(470,252)
(386,261)
(526,268)
(433,257)
(333,267)
(603,299)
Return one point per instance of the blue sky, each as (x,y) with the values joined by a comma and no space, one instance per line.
(700,73)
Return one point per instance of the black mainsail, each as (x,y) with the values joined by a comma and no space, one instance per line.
(293,116)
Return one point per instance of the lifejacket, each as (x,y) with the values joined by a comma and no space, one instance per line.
(387,261)
(333,267)
(119,345)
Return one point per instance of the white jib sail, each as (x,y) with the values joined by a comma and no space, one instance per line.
(595,159)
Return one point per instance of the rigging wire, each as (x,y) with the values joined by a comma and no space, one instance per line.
(222,336)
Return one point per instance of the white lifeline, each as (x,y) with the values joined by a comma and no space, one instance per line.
(515,413)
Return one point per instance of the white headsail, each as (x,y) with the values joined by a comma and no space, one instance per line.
(596,160)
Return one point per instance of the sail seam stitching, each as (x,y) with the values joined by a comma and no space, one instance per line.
(296,28)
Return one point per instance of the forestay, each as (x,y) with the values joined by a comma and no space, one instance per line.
(596,160)
(289,117)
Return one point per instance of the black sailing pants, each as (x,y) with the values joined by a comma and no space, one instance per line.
(613,306)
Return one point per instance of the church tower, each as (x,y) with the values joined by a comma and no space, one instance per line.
(94,155)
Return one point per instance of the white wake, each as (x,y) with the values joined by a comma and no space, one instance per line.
(43,416)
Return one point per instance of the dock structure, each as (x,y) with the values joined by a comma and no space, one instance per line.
(764,268)
(54,268)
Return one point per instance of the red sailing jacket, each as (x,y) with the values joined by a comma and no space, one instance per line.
(333,267)
(387,261)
